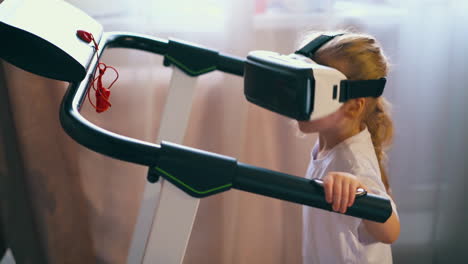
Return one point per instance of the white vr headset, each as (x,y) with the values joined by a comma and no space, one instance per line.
(295,86)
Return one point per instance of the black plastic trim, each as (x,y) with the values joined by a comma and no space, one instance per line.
(198,173)
(194,60)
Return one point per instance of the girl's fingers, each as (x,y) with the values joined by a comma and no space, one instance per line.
(328,188)
(337,195)
(344,196)
(340,190)
(352,193)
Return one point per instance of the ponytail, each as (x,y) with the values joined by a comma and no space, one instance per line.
(380,126)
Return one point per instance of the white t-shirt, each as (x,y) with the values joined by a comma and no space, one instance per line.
(330,237)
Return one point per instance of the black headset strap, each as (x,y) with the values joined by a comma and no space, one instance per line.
(309,49)
(351,89)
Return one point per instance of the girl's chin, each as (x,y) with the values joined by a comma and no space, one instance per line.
(307,127)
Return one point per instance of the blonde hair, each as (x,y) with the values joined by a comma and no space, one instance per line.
(363,59)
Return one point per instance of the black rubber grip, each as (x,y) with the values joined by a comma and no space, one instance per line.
(231,64)
(300,190)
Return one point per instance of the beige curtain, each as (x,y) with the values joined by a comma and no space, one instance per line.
(44,206)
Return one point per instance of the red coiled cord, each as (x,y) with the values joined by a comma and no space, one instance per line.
(102,93)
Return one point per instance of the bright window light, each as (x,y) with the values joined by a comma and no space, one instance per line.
(188,15)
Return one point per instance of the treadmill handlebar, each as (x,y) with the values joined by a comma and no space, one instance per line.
(307,192)
(231,64)
(193,59)
(174,161)
(200,174)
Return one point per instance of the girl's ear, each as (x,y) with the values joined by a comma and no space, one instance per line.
(354,107)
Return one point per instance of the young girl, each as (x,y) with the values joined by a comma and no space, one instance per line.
(349,155)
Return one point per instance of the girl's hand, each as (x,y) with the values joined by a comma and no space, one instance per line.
(340,190)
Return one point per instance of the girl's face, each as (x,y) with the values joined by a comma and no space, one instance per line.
(346,120)
(323,124)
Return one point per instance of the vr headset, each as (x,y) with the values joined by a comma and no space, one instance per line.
(297,87)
